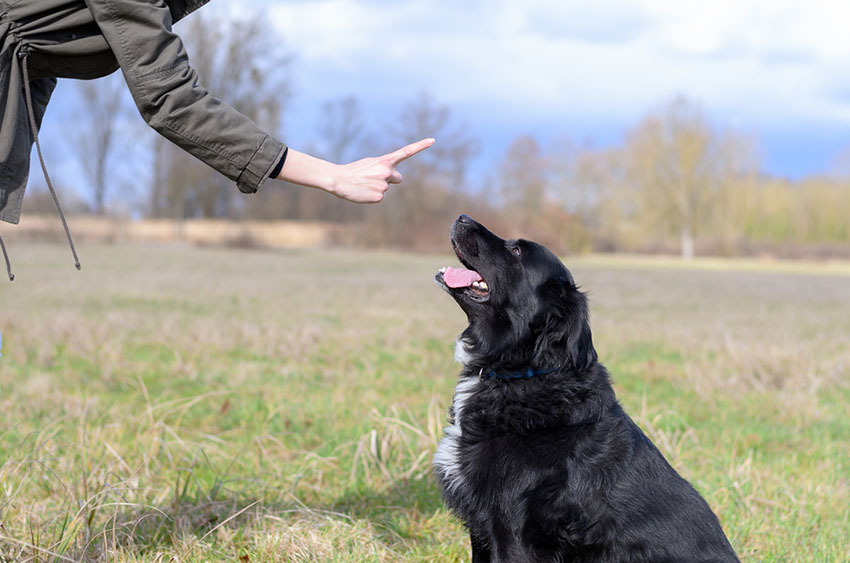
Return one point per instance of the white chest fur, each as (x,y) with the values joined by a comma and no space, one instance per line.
(462,355)
(447,463)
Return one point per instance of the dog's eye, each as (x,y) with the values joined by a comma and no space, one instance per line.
(516,250)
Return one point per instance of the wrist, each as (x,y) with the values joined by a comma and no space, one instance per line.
(305,170)
(330,183)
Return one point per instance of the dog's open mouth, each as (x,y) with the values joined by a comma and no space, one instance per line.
(465,279)
(461,278)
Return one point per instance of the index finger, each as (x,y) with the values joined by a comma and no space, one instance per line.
(404,153)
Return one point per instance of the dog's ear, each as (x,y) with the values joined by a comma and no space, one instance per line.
(580,351)
(564,336)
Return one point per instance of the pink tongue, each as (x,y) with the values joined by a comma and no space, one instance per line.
(460,277)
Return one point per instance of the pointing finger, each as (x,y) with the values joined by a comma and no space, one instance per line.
(404,153)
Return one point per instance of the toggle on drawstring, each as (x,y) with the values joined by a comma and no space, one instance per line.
(23,53)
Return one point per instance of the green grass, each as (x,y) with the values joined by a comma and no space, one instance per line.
(169,403)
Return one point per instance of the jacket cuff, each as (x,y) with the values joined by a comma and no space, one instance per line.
(11,211)
(261,165)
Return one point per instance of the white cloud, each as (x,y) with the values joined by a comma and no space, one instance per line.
(550,55)
(753,64)
(777,69)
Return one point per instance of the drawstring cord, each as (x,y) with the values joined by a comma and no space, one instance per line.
(24,54)
(8,264)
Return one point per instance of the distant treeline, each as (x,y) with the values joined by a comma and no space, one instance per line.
(676,184)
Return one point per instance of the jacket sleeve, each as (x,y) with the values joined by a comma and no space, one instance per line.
(170,98)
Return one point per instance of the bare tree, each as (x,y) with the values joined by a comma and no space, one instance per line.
(534,188)
(524,178)
(97,141)
(447,161)
(591,184)
(595,177)
(416,213)
(239,60)
(680,165)
(342,138)
(342,129)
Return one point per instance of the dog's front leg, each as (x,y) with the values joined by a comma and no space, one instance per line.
(480,549)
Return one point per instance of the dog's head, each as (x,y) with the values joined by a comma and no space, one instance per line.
(523,306)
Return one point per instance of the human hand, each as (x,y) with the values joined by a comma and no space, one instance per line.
(367,180)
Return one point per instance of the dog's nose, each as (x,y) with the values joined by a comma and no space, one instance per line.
(464,219)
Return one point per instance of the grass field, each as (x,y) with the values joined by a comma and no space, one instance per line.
(180,404)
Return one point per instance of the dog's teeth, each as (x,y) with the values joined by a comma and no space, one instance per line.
(483,285)
(476,284)
(443,270)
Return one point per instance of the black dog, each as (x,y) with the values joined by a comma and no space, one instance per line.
(540,461)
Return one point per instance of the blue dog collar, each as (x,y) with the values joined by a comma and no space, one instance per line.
(524,374)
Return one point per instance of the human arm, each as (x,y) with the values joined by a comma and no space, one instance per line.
(168,94)
(170,98)
(362,181)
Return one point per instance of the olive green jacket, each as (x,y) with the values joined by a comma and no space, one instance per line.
(92,38)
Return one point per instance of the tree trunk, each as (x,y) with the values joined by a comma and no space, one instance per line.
(687,243)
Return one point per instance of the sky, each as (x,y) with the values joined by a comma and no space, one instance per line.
(588,71)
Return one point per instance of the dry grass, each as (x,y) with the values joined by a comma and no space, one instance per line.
(266,234)
(176,404)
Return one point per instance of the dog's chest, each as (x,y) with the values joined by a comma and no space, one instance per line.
(447,460)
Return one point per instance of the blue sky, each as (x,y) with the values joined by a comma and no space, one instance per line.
(776,70)
(588,71)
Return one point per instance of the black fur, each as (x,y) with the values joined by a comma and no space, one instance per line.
(550,468)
